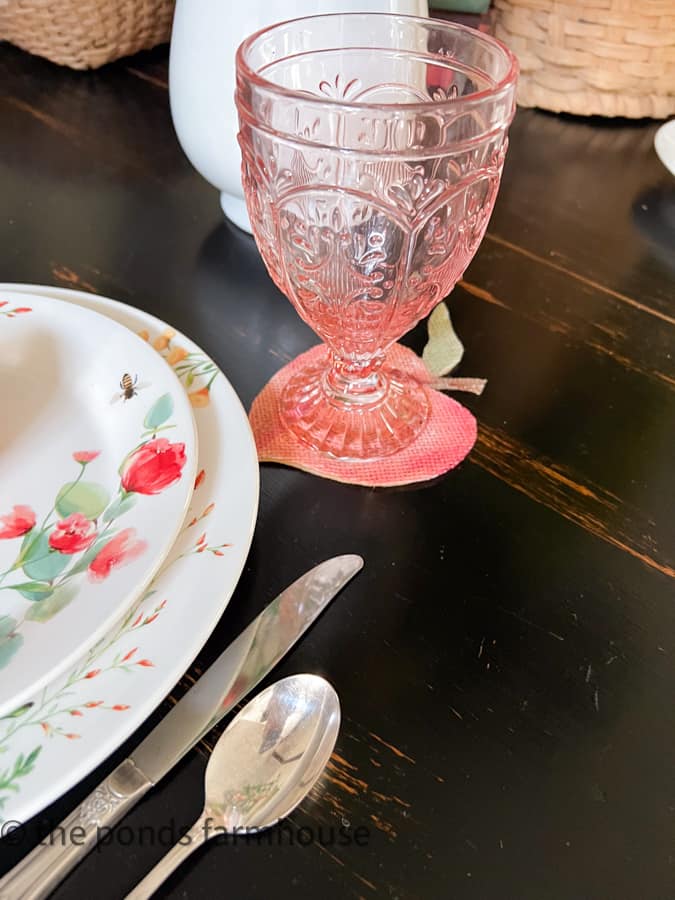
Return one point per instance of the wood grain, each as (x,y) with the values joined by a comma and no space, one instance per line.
(595,510)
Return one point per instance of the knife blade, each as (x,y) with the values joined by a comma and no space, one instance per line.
(247,660)
(243,665)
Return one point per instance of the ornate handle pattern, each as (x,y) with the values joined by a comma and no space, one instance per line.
(46,865)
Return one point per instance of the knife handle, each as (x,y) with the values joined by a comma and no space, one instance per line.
(38,874)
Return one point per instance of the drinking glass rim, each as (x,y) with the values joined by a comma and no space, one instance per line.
(502,85)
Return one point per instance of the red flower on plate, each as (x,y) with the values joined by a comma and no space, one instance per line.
(17,523)
(121,549)
(72,534)
(85,456)
(153,467)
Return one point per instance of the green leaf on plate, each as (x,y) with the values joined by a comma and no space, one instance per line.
(48,608)
(26,766)
(8,647)
(9,642)
(159,412)
(7,626)
(190,378)
(41,563)
(85,497)
(28,537)
(19,711)
(444,349)
(119,506)
(34,590)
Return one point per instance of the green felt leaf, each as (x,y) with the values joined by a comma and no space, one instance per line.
(41,563)
(85,497)
(46,609)
(444,350)
(159,412)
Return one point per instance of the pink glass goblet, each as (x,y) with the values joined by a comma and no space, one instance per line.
(372,150)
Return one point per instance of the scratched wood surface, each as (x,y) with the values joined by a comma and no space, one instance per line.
(506,660)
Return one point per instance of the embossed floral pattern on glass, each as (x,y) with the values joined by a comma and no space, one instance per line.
(372,150)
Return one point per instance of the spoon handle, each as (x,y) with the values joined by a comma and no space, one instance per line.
(194,838)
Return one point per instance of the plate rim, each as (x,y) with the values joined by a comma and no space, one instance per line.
(27,806)
(663,138)
(166,543)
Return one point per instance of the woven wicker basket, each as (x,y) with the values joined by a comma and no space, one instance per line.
(605,57)
(85,34)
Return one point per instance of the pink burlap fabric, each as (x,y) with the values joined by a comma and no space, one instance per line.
(449,436)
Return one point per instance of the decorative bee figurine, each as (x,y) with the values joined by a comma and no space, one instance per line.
(130,388)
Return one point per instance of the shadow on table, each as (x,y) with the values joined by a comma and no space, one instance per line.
(654,217)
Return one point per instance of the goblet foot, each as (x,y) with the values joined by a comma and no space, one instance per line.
(375,425)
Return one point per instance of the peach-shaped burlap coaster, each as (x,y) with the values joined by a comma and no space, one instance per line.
(447,438)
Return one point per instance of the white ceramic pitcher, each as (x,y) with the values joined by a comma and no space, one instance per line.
(206,34)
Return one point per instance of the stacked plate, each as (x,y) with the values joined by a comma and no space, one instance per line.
(128,496)
(664,144)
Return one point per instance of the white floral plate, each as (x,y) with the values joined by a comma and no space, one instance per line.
(96,475)
(61,733)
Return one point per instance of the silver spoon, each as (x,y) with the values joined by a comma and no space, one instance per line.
(264,764)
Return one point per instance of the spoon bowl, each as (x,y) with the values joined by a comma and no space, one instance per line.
(272,753)
(264,764)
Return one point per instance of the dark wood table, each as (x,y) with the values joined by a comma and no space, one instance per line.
(506,660)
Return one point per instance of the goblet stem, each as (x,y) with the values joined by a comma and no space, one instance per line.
(350,382)
(354,411)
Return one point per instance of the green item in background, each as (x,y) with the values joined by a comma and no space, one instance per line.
(465,6)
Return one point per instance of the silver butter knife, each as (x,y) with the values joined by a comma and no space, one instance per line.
(248,659)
